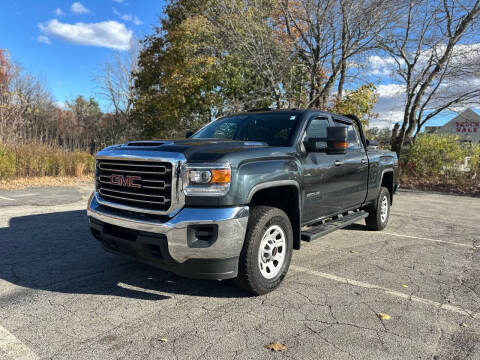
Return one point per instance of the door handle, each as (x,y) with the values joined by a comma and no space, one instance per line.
(338,162)
(364,161)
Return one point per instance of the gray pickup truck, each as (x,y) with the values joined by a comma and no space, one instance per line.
(234,199)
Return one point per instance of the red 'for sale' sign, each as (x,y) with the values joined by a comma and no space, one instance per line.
(467,126)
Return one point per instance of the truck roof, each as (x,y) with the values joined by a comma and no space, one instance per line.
(345,118)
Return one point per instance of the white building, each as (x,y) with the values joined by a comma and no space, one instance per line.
(466,125)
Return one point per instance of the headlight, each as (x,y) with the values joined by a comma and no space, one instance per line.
(206,179)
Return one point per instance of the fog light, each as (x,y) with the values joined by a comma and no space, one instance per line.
(201,236)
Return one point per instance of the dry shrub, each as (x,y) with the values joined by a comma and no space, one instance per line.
(434,162)
(435,155)
(79,169)
(7,162)
(27,160)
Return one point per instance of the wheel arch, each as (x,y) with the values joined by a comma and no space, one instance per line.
(283,194)
(387,181)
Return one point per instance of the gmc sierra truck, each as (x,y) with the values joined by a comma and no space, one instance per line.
(233,200)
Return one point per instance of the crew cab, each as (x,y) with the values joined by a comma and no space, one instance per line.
(235,199)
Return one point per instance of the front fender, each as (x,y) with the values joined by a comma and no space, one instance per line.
(254,176)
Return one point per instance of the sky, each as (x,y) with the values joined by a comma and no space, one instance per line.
(65,43)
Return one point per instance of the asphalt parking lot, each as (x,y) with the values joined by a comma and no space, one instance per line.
(63,297)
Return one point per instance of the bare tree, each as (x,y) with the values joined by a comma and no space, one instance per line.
(430,46)
(116,85)
(327,34)
(301,49)
(29,114)
(24,103)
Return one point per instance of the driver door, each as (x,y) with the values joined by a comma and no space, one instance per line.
(320,175)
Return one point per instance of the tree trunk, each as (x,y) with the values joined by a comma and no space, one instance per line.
(396,140)
(341,81)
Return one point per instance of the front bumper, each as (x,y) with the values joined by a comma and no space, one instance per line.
(171,243)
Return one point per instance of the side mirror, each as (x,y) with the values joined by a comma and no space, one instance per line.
(315,145)
(188,133)
(334,143)
(337,140)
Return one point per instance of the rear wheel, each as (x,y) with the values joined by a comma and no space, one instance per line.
(379,213)
(266,252)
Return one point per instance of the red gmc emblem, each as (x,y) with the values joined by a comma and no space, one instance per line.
(127,180)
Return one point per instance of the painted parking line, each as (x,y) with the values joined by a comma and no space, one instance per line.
(24,195)
(14,348)
(387,291)
(139,289)
(5,198)
(428,239)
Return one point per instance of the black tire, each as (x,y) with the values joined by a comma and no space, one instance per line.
(249,277)
(374,220)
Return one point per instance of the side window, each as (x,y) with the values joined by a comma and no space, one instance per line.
(353,138)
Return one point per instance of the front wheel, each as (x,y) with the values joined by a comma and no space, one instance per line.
(380,211)
(267,251)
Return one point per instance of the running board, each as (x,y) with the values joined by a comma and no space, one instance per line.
(315,232)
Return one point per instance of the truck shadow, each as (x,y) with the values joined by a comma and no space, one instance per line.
(357,227)
(56,252)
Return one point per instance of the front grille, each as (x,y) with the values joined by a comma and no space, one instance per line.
(140,184)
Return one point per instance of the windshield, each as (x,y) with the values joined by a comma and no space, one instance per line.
(273,128)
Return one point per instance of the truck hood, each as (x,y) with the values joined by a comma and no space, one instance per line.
(201,150)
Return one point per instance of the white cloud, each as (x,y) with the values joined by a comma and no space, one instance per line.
(128,17)
(119,1)
(133,19)
(43,39)
(387,119)
(137,21)
(110,34)
(390,90)
(391,100)
(61,105)
(58,12)
(380,65)
(78,8)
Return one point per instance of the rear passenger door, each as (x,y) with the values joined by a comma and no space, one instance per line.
(352,169)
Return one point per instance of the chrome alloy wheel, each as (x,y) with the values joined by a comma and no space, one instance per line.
(272,252)
(384,209)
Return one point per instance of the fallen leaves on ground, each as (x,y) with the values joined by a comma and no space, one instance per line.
(276,346)
(163,339)
(384,316)
(463,325)
(41,181)
(404,285)
(450,186)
